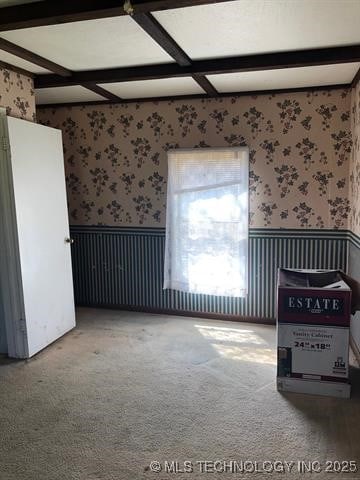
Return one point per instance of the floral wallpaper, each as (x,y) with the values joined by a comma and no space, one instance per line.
(17,94)
(354,189)
(300,145)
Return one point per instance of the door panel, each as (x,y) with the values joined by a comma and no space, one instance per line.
(42,221)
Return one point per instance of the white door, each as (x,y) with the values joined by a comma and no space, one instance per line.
(43,244)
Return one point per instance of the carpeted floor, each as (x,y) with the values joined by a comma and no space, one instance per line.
(125,389)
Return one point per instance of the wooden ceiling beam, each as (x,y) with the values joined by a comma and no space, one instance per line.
(49,65)
(356,79)
(205,85)
(153,28)
(249,63)
(156,31)
(101,91)
(53,67)
(31,57)
(50,12)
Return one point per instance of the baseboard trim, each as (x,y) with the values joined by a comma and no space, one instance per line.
(355,349)
(185,313)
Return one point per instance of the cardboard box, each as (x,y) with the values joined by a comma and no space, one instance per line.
(313,323)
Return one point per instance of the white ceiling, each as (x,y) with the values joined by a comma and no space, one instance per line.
(65,95)
(247,27)
(18,62)
(241,27)
(285,78)
(154,88)
(93,44)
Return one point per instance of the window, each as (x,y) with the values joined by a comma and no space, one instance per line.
(207,221)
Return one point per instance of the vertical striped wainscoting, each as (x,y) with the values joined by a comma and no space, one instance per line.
(123,267)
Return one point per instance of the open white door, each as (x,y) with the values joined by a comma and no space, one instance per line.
(36,275)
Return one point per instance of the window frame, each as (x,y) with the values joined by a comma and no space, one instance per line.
(243,149)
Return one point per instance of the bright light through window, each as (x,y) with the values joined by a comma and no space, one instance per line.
(207,222)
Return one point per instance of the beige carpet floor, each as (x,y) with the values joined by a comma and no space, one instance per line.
(126,389)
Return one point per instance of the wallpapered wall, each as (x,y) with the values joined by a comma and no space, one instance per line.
(17,94)
(354,189)
(354,196)
(300,144)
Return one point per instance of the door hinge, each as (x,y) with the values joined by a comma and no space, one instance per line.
(4,143)
(22,325)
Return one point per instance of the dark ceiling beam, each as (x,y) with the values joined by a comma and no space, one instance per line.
(356,79)
(156,31)
(206,85)
(153,28)
(101,91)
(31,57)
(53,67)
(249,63)
(49,65)
(50,12)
